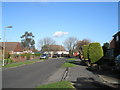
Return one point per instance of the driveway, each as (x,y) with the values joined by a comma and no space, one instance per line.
(30,76)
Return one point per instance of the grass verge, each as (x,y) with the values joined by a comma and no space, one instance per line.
(18,64)
(71,59)
(68,65)
(60,84)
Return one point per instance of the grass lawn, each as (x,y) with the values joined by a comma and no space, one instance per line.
(68,65)
(60,84)
(71,59)
(18,64)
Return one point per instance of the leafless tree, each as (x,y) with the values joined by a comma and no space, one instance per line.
(70,44)
(44,42)
(81,43)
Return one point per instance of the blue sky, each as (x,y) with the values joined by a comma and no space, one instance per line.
(97,21)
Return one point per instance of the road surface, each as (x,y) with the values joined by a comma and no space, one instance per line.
(30,76)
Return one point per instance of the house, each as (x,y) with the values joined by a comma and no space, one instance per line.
(12,47)
(1,52)
(55,49)
(16,48)
(115,44)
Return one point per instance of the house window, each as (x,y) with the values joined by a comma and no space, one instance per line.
(117,38)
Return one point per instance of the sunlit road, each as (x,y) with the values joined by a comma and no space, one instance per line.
(30,76)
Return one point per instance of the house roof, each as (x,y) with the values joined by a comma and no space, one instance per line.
(118,33)
(12,46)
(57,48)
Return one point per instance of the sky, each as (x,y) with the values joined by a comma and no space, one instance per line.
(97,21)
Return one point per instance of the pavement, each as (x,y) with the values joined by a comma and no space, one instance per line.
(112,80)
(83,78)
(56,77)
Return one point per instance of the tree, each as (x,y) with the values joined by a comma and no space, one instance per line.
(81,43)
(27,41)
(70,44)
(105,47)
(45,42)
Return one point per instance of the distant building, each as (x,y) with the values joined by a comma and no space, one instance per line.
(55,49)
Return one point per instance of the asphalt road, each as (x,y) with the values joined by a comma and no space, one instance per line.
(30,76)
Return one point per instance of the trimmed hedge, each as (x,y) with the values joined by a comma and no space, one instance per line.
(85,51)
(95,52)
(27,55)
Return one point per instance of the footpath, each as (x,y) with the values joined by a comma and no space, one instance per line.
(83,78)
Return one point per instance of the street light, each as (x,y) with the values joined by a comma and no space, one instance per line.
(60,51)
(4,44)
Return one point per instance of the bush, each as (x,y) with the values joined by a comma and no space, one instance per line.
(8,61)
(37,54)
(85,51)
(27,55)
(7,55)
(95,52)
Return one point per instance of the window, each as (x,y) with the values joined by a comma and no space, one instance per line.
(117,38)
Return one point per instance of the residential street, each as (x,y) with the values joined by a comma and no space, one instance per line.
(49,71)
(30,76)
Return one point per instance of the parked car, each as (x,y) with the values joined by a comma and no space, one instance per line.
(117,62)
(44,56)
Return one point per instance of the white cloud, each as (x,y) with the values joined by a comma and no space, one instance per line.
(59,33)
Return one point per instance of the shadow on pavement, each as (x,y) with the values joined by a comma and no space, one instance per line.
(88,83)
(110,76)
(110,73)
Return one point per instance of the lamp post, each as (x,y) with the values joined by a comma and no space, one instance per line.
(4,44)
(60,51)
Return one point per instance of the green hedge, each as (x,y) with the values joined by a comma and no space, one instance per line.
(95,52)
(8,61)
(85,51)
(37,54)
(27,55)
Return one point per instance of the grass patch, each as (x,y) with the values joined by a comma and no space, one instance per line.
(68,65)
(18,64)
(61,84)
(71,59)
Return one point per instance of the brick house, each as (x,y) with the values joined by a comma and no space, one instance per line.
(12,47)
(1,52)
(15,48)
(115,44)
